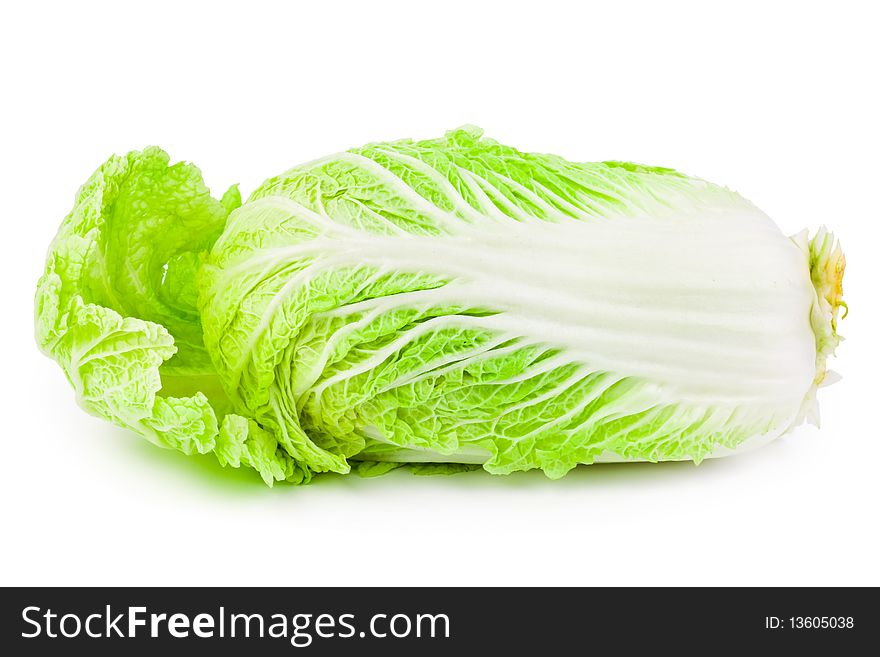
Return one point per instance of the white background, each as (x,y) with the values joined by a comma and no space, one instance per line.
(776,100)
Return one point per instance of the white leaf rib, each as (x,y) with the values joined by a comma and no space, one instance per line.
(441,181)
(581,374)
(550,211)
(381,355)
(433,368)
(497,198)
(440,217)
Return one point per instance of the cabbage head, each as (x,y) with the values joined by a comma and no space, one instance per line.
(442,304)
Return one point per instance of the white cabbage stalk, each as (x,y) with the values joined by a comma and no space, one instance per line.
(457,301)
